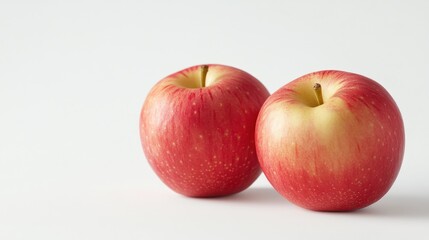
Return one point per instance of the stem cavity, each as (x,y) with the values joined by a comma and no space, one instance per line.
(203,70)
(318,91)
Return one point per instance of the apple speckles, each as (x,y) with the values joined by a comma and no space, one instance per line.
(195,112)
(220,104)
(200,136)
(358,182)
(214,156)
(173,143)
(194,103)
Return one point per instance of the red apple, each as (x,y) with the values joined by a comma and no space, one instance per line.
(330,141)
(197,130)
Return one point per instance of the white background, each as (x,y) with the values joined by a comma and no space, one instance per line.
(74,75)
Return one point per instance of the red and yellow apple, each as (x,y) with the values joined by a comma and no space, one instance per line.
(330,141)
(197,130)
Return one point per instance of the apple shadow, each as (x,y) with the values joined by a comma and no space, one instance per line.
(257,195)
(399,206)
(406,206)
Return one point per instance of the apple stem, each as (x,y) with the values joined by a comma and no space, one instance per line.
(318,90)
(203,69)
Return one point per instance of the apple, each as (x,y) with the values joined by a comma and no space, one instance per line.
(330,141)
(197,130)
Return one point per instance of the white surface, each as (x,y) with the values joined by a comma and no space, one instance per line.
(73,77)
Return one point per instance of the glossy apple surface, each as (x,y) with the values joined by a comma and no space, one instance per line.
(197,130)
(337,153)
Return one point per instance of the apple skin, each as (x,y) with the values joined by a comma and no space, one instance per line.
(200,140)
(339,156)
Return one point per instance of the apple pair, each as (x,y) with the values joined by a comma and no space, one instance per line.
(328,141)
